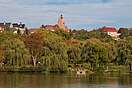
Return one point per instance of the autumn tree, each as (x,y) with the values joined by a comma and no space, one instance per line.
(34,43)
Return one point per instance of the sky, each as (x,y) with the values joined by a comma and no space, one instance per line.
(78,14)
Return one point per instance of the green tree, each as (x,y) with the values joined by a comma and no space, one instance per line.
(1,56)
(126,33)
(74,55)
(15,53)
(125,51)
(94,53)
(54,52)
(54,56)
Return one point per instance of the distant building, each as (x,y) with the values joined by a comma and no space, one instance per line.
(61,22)
(12,26)
(2,27)
(110,31)
(60,25)
(18,26)
(50,27)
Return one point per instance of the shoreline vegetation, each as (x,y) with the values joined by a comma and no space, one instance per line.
(65,52)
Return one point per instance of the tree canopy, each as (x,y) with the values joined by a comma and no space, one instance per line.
(55,50)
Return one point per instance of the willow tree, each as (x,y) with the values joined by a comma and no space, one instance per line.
(15,52)
(53,52)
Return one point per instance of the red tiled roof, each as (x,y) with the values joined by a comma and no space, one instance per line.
(108,29)
(50,26)
(122,30)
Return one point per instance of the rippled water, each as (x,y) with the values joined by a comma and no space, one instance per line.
(37,80)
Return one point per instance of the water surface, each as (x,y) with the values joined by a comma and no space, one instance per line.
(37,80)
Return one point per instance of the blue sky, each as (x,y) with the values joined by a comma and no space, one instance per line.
(88,14)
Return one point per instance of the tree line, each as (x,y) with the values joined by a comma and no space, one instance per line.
(58,51)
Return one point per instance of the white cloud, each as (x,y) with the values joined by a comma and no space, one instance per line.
(87,11)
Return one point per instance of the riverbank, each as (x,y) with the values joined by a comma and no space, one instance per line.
(108,69)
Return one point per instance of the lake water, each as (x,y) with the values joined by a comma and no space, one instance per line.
(37,80)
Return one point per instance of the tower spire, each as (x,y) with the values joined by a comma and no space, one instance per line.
(61,16)
(61,22)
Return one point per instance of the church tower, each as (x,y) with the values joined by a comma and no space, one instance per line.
(61,22)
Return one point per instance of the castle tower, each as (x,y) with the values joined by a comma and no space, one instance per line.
(61,22)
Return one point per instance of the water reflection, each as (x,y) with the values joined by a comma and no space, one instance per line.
(36,80)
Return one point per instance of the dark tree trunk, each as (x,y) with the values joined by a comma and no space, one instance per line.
(130,66)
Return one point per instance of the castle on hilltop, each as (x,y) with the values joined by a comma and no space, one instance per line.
(59,26)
